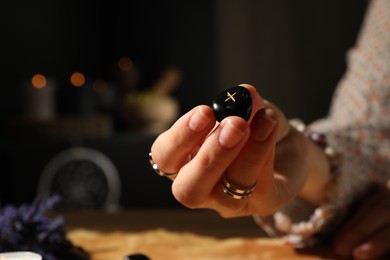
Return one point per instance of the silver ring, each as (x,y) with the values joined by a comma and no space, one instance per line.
(157,170)
(236,192)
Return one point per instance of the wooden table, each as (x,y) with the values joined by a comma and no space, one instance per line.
(177,234)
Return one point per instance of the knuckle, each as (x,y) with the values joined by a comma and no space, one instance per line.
(176,145)
(181,143)
(186,198)
(211,162)
(169,154)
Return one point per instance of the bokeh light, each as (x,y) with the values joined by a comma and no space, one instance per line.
(125,64)
(38,81)
(99,86)
(77,79)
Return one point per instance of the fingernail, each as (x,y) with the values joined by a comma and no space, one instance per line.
(199,120)
(231,134)
(263,125)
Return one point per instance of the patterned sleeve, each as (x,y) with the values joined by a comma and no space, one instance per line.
(358,128)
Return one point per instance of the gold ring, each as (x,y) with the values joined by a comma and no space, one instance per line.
(234,191)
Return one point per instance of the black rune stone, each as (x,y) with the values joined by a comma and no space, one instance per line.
(136,257)
(235,101)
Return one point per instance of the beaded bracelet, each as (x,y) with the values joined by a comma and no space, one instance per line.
(304,233)
(320,140)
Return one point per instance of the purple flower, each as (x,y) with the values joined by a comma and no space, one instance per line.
(27,228)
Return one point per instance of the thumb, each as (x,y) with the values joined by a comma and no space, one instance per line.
(259,103)
(284,125)
(257,100)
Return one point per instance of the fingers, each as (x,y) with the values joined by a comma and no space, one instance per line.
(251,158)
(375,247)
(250,166)
(172,148)
(257,101)
(368,232)
(225,149)
(284,125)
(196,180)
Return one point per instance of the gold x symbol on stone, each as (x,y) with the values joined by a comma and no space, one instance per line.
(230,96)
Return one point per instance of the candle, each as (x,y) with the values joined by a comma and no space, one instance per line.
(127,75)
(105,95)
(40,98)
(20,256)
(76,97)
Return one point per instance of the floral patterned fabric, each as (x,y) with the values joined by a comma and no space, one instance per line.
(357,127)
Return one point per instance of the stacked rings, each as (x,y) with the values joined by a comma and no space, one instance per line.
(157,170)
(234,191)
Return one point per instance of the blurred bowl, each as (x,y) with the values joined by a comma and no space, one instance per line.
(148,112)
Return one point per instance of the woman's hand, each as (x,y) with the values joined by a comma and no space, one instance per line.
(367,234)
(265,151)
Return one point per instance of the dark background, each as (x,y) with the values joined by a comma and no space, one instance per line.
(292,51)
(57,38)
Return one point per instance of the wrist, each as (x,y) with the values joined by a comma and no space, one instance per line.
(321,165)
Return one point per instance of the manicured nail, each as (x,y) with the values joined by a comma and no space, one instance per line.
(199,120)
(263,125)
(231,134)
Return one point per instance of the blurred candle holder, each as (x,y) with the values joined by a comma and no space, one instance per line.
(76,97)
(40,98)
(127,75)
(105,96)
